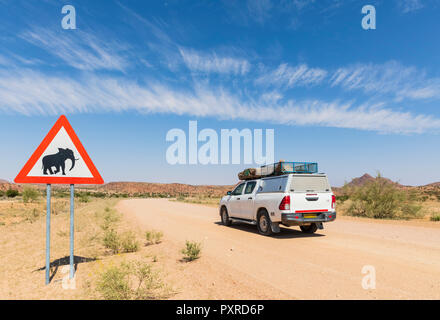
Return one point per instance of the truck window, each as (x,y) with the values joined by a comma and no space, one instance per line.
(238,190)
(274,185)
(309,184)
(250,186)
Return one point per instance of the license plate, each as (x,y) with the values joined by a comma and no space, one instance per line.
(310,215)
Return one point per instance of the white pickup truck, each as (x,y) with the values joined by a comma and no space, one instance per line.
(304,200)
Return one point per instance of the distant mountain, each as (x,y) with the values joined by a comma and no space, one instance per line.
(176,189)
(173,189)
(434,184)
(366,178)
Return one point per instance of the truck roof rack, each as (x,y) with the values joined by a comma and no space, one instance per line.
(278,168)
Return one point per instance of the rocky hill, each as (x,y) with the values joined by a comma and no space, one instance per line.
(172,189)
(137,188)
(179,189)
(366,178)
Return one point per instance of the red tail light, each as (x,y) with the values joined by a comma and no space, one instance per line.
(333,201)
(285,203)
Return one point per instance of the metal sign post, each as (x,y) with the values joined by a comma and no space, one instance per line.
(48,165)
(48,235)
(72,220)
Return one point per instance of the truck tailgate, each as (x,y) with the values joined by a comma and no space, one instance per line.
(311,202)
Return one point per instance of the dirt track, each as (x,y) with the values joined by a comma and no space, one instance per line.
(292,265)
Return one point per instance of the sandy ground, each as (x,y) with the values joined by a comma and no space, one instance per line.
(238,263)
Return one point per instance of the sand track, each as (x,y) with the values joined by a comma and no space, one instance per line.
(293,265)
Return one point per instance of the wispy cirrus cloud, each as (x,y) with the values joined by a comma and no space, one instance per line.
(287,76)
(21,93)
(388,78)
(79,49)
(410,5)
(214,63)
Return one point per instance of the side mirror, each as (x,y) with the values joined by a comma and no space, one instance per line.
(229,193)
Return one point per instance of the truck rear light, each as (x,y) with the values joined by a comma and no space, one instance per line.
(285,203)
(333,201)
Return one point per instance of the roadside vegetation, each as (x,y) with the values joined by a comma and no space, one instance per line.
(153,237)
(210,201)
(113,262)
(382,199)
(191,251)
(132,281)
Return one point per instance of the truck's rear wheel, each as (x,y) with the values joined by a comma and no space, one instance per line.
(310,228)
(264,223)
(225,217)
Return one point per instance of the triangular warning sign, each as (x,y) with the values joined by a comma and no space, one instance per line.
(60,159)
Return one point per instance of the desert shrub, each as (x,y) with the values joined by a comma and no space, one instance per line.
(60,194)
(153,237)
(131,281)
(129,242)
(435,217)
(12,193)
(112,241)
(114,283)
(192,250)
(2,193)
(410,210)
(84,198)
(381,199)
(110,218)
(30,194)
(99,195)
(342,198)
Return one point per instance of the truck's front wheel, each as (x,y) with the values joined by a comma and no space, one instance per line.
(225,217)
(310,228)
(264,223)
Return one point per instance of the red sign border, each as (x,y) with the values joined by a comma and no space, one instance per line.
(23,177)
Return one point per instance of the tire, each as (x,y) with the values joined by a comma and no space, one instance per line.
(225,217)
(264,223)
(309,229)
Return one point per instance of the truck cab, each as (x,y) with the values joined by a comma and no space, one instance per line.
(296,199)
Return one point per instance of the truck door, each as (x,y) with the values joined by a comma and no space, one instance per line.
(235,200)
(247,205)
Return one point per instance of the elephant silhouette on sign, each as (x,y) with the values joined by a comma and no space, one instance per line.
(58,160)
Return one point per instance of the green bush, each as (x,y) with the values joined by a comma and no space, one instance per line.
(30,194)
(84,198)
(2,193)
(129,242)
(435,217)
(381,199)
(192,250)
(131,281)
(153,237)
(12,193)
(112,241)
(114,283)
(110,218)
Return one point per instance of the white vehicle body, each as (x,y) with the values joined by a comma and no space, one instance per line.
(292,200)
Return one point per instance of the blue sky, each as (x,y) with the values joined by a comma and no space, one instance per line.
(353,100)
